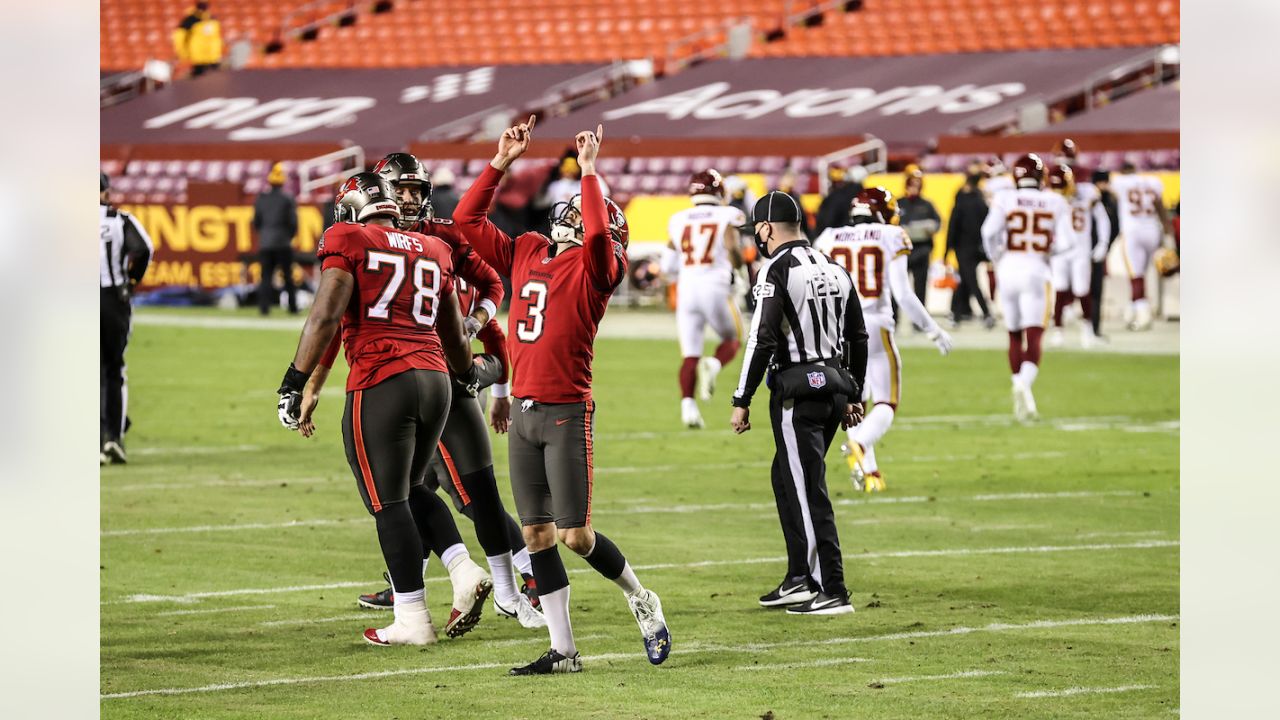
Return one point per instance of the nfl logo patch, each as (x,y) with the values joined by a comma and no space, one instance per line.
(817,379)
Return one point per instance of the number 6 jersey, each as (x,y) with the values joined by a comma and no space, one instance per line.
(557,299)
(389,326)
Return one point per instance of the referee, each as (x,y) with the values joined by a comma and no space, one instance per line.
(808,332)
(124,252)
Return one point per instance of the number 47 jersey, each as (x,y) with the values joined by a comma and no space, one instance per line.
(697,233)
(389,326)
(866,251)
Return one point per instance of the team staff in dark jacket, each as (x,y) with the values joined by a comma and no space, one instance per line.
(964,237)
(921,221)
(1102,179)
(834,210)
(275,219)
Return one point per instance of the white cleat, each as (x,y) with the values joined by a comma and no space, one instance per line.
(708,369)
(411,627)
(1088,340)
(1019,401)
(691,417)
(471,587)
(524,611)
(647,608)
(1056,340)
(1029,405)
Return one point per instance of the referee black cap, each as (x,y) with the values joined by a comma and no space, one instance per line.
(776,207)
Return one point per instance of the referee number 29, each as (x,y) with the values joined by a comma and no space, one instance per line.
(529,329)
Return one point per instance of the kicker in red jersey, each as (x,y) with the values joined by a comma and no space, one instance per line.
(400,276)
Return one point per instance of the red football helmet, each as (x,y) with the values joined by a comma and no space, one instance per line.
(1067,149)
(1028,171)
(875,203)
(566,221)
(707,186)
(1062,179)
(618,226)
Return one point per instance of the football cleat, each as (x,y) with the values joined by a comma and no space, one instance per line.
(471,587)
(1019,402)
(875,482)
(791,591)
(708,369)
(647,608)
(381,600)
(529,588)
(691,417)
(551,662)
(857,475)
(412,626)
(1029,402)
(114,452)
(523,611)
(823,604)
(1056,338)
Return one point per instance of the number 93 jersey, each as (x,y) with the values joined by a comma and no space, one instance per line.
(865,251)
(389,326)
(697,233)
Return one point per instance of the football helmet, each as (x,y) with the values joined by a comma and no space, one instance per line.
(1028,171)
(401,168)
(1066,149)
(566,221)
(1062,180)
(363,196)
(706,187)
(1166,261)
(876,205)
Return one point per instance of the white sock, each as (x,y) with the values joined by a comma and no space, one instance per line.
(522,562)
(1028,373)
(555,607)
(628,581)
(409,603)
(713,364)
(504,582)
(873,427)
(452,554)
(869,455)
(425,561)
(688,405)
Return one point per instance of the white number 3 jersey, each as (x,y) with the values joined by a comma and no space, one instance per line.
(866,251)
(697,233)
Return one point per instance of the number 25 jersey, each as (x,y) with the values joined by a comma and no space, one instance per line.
(389,326)
(865,250)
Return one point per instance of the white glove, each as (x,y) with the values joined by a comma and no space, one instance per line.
(472,326)
(1100,252)
(941,339)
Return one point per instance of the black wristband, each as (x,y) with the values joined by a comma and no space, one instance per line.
(741,402)
(294,379)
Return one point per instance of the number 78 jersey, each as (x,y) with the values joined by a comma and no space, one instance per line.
(865,250)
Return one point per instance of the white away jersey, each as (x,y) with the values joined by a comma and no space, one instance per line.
(1085,207)
(1028,222)
(998,184)
(1136,199)
(698,236)
(865,250)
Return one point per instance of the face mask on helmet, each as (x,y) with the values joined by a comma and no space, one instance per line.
(566,221)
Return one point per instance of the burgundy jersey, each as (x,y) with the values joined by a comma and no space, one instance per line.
(482,280)
(389,326)
(557,299)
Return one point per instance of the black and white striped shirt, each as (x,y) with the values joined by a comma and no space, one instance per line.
(124,249)
(806,311)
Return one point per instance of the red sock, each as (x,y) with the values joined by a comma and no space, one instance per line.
(1062,300)
(1032,354)
(688,376)
(1138,287)
(1086,307)
(1015,351)
(726,352)
(991,279)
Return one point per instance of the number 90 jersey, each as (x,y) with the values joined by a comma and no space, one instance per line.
(389,326)
(698,236)
(865,250)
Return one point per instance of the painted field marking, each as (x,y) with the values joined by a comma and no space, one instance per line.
(211,611)
(224,528)
(141,487)
(1082,691)
(915,635)
(815,663)
(195,449)
(948,676)
(953,552)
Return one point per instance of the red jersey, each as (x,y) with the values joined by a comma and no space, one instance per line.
(483,280)
(389,326)
(558,299)
(491,335)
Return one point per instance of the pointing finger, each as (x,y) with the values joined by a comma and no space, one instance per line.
(532,119)
(599,132)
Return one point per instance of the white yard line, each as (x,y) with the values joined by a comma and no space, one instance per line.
(1087,423)
(194,449)
(211,611)
(954,552)
(142,487)
(1082,691)
(815,663)
(225,528)
(952,632)
(1004,528)
(948,676)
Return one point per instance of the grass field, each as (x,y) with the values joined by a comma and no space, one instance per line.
(1009,572)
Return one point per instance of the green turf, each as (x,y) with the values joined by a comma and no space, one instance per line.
(207,451)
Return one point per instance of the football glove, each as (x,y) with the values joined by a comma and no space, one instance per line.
(472,326)
(289,406)
(941,339)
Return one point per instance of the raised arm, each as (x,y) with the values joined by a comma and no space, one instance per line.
(472,214)
(602,264)
(485,280)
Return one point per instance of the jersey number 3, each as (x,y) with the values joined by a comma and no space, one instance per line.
(529,329)
(426,280)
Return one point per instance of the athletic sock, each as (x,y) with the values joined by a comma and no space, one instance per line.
(452,554)
(1015,351)
(522,562)
(726,352)
(869,460)
(553,596)
(1062,300)
(426,560)
(607,560)
(1032,354)
(873,427)
(688,376)
(1086,308)
(1028,373)
(435,522)
(1138,289)
(504,579)
(713,365)
(401,546)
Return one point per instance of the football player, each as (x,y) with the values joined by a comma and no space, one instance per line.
(561,287)
(704,251)
(1072,270)
(874,250)
(462,463)
(1144,222)
(392,294)
(1022,229)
